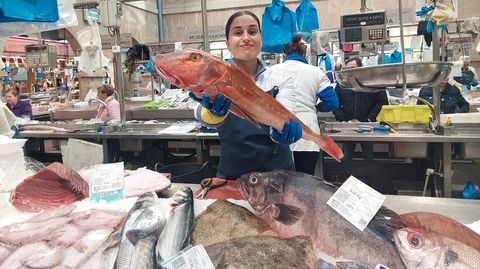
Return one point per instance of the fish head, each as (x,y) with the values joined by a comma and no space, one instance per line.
(418,248)
(182,196)
(192,70)
(262,189)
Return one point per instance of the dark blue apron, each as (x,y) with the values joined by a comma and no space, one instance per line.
(246,148)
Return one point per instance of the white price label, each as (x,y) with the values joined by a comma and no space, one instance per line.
(194,258)
(356,202)
(107,182)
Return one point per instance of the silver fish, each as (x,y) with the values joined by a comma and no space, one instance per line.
(177,233)
(293,203)
(148,227)
(126,249)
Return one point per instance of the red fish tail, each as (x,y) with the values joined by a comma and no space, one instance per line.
(329,146)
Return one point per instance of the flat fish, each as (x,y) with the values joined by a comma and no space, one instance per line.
(263,251)
(223,220)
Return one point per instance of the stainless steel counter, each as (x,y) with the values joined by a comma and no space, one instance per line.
(344,135)
(133,110)
(411,137)
(462,210)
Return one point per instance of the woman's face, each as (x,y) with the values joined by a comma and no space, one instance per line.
(11,99)
(101,96)
(244,40)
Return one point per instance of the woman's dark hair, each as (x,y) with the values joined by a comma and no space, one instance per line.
(295,46)
(357,60)
(13,91)
(107,89)
(238,14)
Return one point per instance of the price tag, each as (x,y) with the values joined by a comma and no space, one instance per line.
(107,182)
(356,202)
(194,258)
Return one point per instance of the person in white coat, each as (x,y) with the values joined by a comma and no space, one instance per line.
(310,84)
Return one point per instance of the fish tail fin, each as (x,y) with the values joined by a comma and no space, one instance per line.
(329,146)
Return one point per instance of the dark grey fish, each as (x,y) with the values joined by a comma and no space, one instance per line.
(293,203)
(177,233)
(223,220)
(263,251)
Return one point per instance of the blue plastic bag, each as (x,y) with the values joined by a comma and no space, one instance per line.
(307,19)
(279,25)
(29,10)
(396,57)
(325,63)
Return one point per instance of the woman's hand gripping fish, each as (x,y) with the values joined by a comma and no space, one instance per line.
(202,73)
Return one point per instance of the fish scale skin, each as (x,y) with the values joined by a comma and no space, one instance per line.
(331,233)
(210,75)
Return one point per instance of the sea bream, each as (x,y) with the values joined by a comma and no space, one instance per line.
(202,73)
(421,249)
(294,203)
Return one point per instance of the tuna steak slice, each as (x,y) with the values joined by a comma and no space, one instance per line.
(50,187)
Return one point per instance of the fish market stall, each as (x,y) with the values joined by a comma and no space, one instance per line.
(152,228)
(415,139)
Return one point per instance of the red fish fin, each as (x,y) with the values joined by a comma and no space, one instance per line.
(329,146)
(286,214)
(441,225)
(237,111)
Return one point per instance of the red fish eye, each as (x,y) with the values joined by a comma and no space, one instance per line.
(194,57)
(415,240)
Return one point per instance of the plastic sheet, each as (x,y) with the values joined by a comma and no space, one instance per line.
(92,59)
(14,171)
(67,18)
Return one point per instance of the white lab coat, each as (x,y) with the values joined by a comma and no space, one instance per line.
(308,82)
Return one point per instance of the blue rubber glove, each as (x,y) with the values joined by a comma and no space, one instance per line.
(474,83)
(218,108)
(290,133)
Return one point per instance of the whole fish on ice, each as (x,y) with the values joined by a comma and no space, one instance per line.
(126,252)
(421,249)
(263,251)
(223,220)
(177,233)
(293,203)
(202,73)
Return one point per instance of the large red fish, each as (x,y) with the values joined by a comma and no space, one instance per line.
(201,73)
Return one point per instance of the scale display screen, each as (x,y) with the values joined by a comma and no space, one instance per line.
(363,19)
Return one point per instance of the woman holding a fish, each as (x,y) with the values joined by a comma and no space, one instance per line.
(257,133)
(245,147)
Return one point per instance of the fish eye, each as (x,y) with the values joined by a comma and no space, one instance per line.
(253,180)
(415,241)
(195,57)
